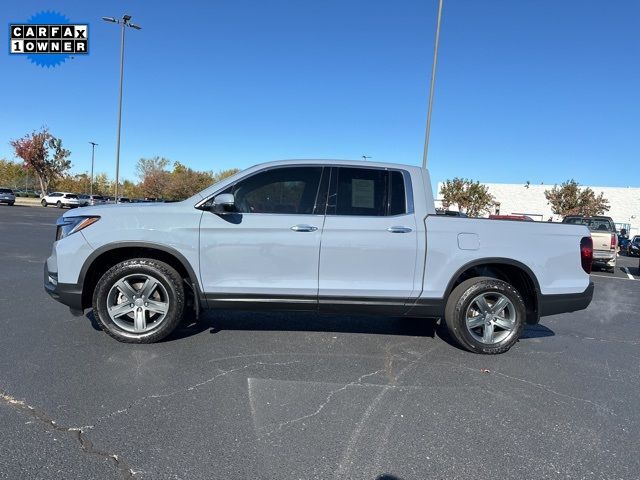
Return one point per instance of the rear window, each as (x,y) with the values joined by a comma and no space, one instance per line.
(594,224)
(6,190)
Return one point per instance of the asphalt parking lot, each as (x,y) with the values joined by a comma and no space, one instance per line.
(298,396)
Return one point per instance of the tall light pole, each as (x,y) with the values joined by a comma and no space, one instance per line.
(93,155)
(125,22)
(433,84)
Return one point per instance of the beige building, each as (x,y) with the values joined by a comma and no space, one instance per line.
(530,200)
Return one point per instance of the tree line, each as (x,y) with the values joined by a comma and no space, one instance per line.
(45,164)
(474,199)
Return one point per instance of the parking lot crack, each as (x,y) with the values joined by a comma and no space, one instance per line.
(78,433)
(189,388)
(322,406)
(548,389)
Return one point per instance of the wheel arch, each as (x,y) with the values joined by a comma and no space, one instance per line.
(512,271)
(108,255)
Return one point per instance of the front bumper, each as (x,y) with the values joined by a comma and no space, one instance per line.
(564,303)
(68,294)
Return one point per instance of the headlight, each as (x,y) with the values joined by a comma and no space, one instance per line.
(65,226)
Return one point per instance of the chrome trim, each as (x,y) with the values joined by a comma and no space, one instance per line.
(304,228)
(399,229)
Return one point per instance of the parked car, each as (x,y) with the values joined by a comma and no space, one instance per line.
(603,234)
(633,248)
(61,199)
(317,235)
(86,200)
(7,196)
(523,218)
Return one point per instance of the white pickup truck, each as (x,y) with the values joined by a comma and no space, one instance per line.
(323,236)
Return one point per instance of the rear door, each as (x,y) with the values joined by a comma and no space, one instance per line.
(369,241)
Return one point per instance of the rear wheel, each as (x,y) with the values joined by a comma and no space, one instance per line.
(139,300)
(59,204)
(485,315)
(43,202)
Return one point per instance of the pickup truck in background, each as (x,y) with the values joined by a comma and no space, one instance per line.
(603,235)
(325,236)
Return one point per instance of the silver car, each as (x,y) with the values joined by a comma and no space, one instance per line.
(91,200)
(7,196)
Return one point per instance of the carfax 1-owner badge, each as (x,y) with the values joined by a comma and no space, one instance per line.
(48,39)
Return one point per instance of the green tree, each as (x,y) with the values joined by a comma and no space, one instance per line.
(44,154)
(12,174)
(570,199)
(470,196)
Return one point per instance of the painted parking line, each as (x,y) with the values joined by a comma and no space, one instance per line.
(616,278)
(626,270)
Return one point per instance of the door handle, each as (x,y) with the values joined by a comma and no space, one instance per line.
(398,229)
(304,228)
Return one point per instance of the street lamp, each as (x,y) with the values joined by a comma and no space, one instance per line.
(433,84)
(93,154)
(125,22)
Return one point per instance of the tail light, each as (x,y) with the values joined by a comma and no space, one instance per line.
(586,253)
(613,241)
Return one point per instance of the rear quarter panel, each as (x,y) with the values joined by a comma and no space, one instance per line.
(550,250)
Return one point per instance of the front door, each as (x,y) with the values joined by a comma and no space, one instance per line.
(266,250)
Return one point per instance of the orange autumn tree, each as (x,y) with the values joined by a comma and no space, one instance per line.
(44,155)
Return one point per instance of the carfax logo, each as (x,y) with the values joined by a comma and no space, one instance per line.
(48,39)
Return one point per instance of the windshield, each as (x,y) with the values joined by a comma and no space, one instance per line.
(594,224)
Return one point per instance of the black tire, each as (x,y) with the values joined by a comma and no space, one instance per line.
(11,204)
(166,275)
(460,300)
(59,204)
(43,203)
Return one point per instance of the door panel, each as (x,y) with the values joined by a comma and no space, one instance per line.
(361,258)
(267,246)
(260,254)
(369,241)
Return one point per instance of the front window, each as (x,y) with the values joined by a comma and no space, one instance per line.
(279,190)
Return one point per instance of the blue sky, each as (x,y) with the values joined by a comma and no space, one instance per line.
(526,90)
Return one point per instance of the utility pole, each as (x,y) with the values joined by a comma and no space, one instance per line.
(433,84)
(125,22)
(93,154)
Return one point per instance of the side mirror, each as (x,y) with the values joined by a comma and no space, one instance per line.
(223,203)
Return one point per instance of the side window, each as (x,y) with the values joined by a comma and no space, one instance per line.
(397,195)
(359,191)
(280,190)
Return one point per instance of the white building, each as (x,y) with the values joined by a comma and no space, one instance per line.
(529,200)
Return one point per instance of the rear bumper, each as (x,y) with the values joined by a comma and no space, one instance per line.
(569,302)
(604,256)
(68,294)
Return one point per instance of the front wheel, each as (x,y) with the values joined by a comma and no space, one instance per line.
(485,315)
(139,300)
(59,204)
(11,204)
(43,202)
